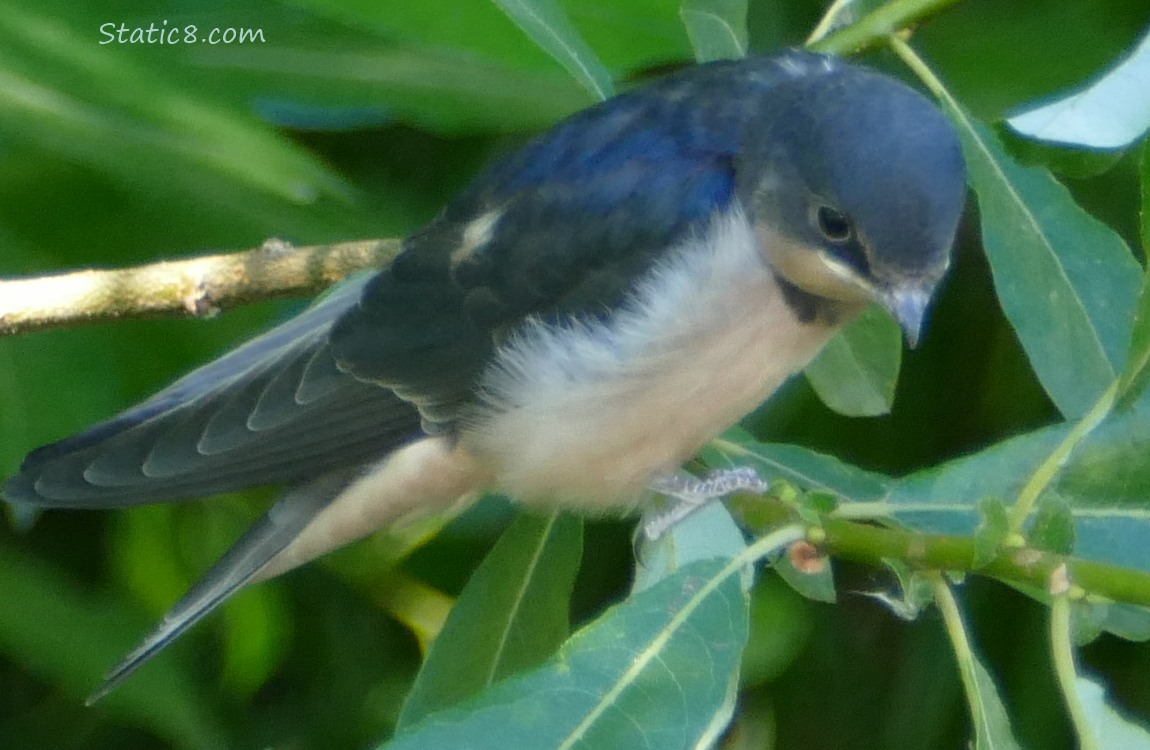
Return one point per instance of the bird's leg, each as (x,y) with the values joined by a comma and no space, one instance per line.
(690,493)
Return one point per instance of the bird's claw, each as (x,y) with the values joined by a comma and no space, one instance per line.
(691,493)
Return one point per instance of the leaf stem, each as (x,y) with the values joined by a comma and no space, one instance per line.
(1062,649)
(874,26)
(963,651)
(1049,468)
(827,22)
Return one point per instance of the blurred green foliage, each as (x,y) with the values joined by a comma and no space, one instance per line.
(359,119)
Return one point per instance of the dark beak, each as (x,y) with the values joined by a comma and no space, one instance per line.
(908,306)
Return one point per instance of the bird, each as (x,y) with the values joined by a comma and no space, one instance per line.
(569,331)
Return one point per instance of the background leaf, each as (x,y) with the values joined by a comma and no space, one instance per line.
(718,28)
(545,22)
(856,373)
(512,615)
(71,638)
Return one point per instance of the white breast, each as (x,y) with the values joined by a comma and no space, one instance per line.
(588,413)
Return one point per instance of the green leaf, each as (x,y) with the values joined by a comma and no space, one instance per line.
(70,639)
(1123,620)
(133,121)
(549,27)
(1067,282)
(856,372)
(512,615)
(1144,213)
(1136,373)
(703,535)
(815,582)
(1111,729)
(718,28)
(1105,483)
(992,729)
(651,672)
(1052,529)
(1111,112)
(988,715)
(781,626)
(991,532)
(444,90)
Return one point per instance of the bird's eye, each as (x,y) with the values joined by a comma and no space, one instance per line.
(833,223)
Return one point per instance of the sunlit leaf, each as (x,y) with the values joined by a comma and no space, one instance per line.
(856,372)
(1111,729)
(1111,112)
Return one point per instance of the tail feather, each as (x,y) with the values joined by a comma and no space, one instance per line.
(262,542)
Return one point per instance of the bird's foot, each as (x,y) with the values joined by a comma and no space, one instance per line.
(691,493)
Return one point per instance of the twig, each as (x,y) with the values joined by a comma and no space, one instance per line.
(197,287)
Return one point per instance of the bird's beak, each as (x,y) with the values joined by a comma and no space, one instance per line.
(908,306)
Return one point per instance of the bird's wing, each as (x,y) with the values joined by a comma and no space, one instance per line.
(561,229)
(276,410)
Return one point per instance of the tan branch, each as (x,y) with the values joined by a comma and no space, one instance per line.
(198,287)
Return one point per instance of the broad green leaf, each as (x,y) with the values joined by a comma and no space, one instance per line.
(705,534)
(856,372)
(651,672)
(549,27)
(1136,373)
(1105,484)
(1111,729)
(718,28)
(1067,282)
(70,639)
(1111,112)
(512,615)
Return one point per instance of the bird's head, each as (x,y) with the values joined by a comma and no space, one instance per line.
(855,185)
